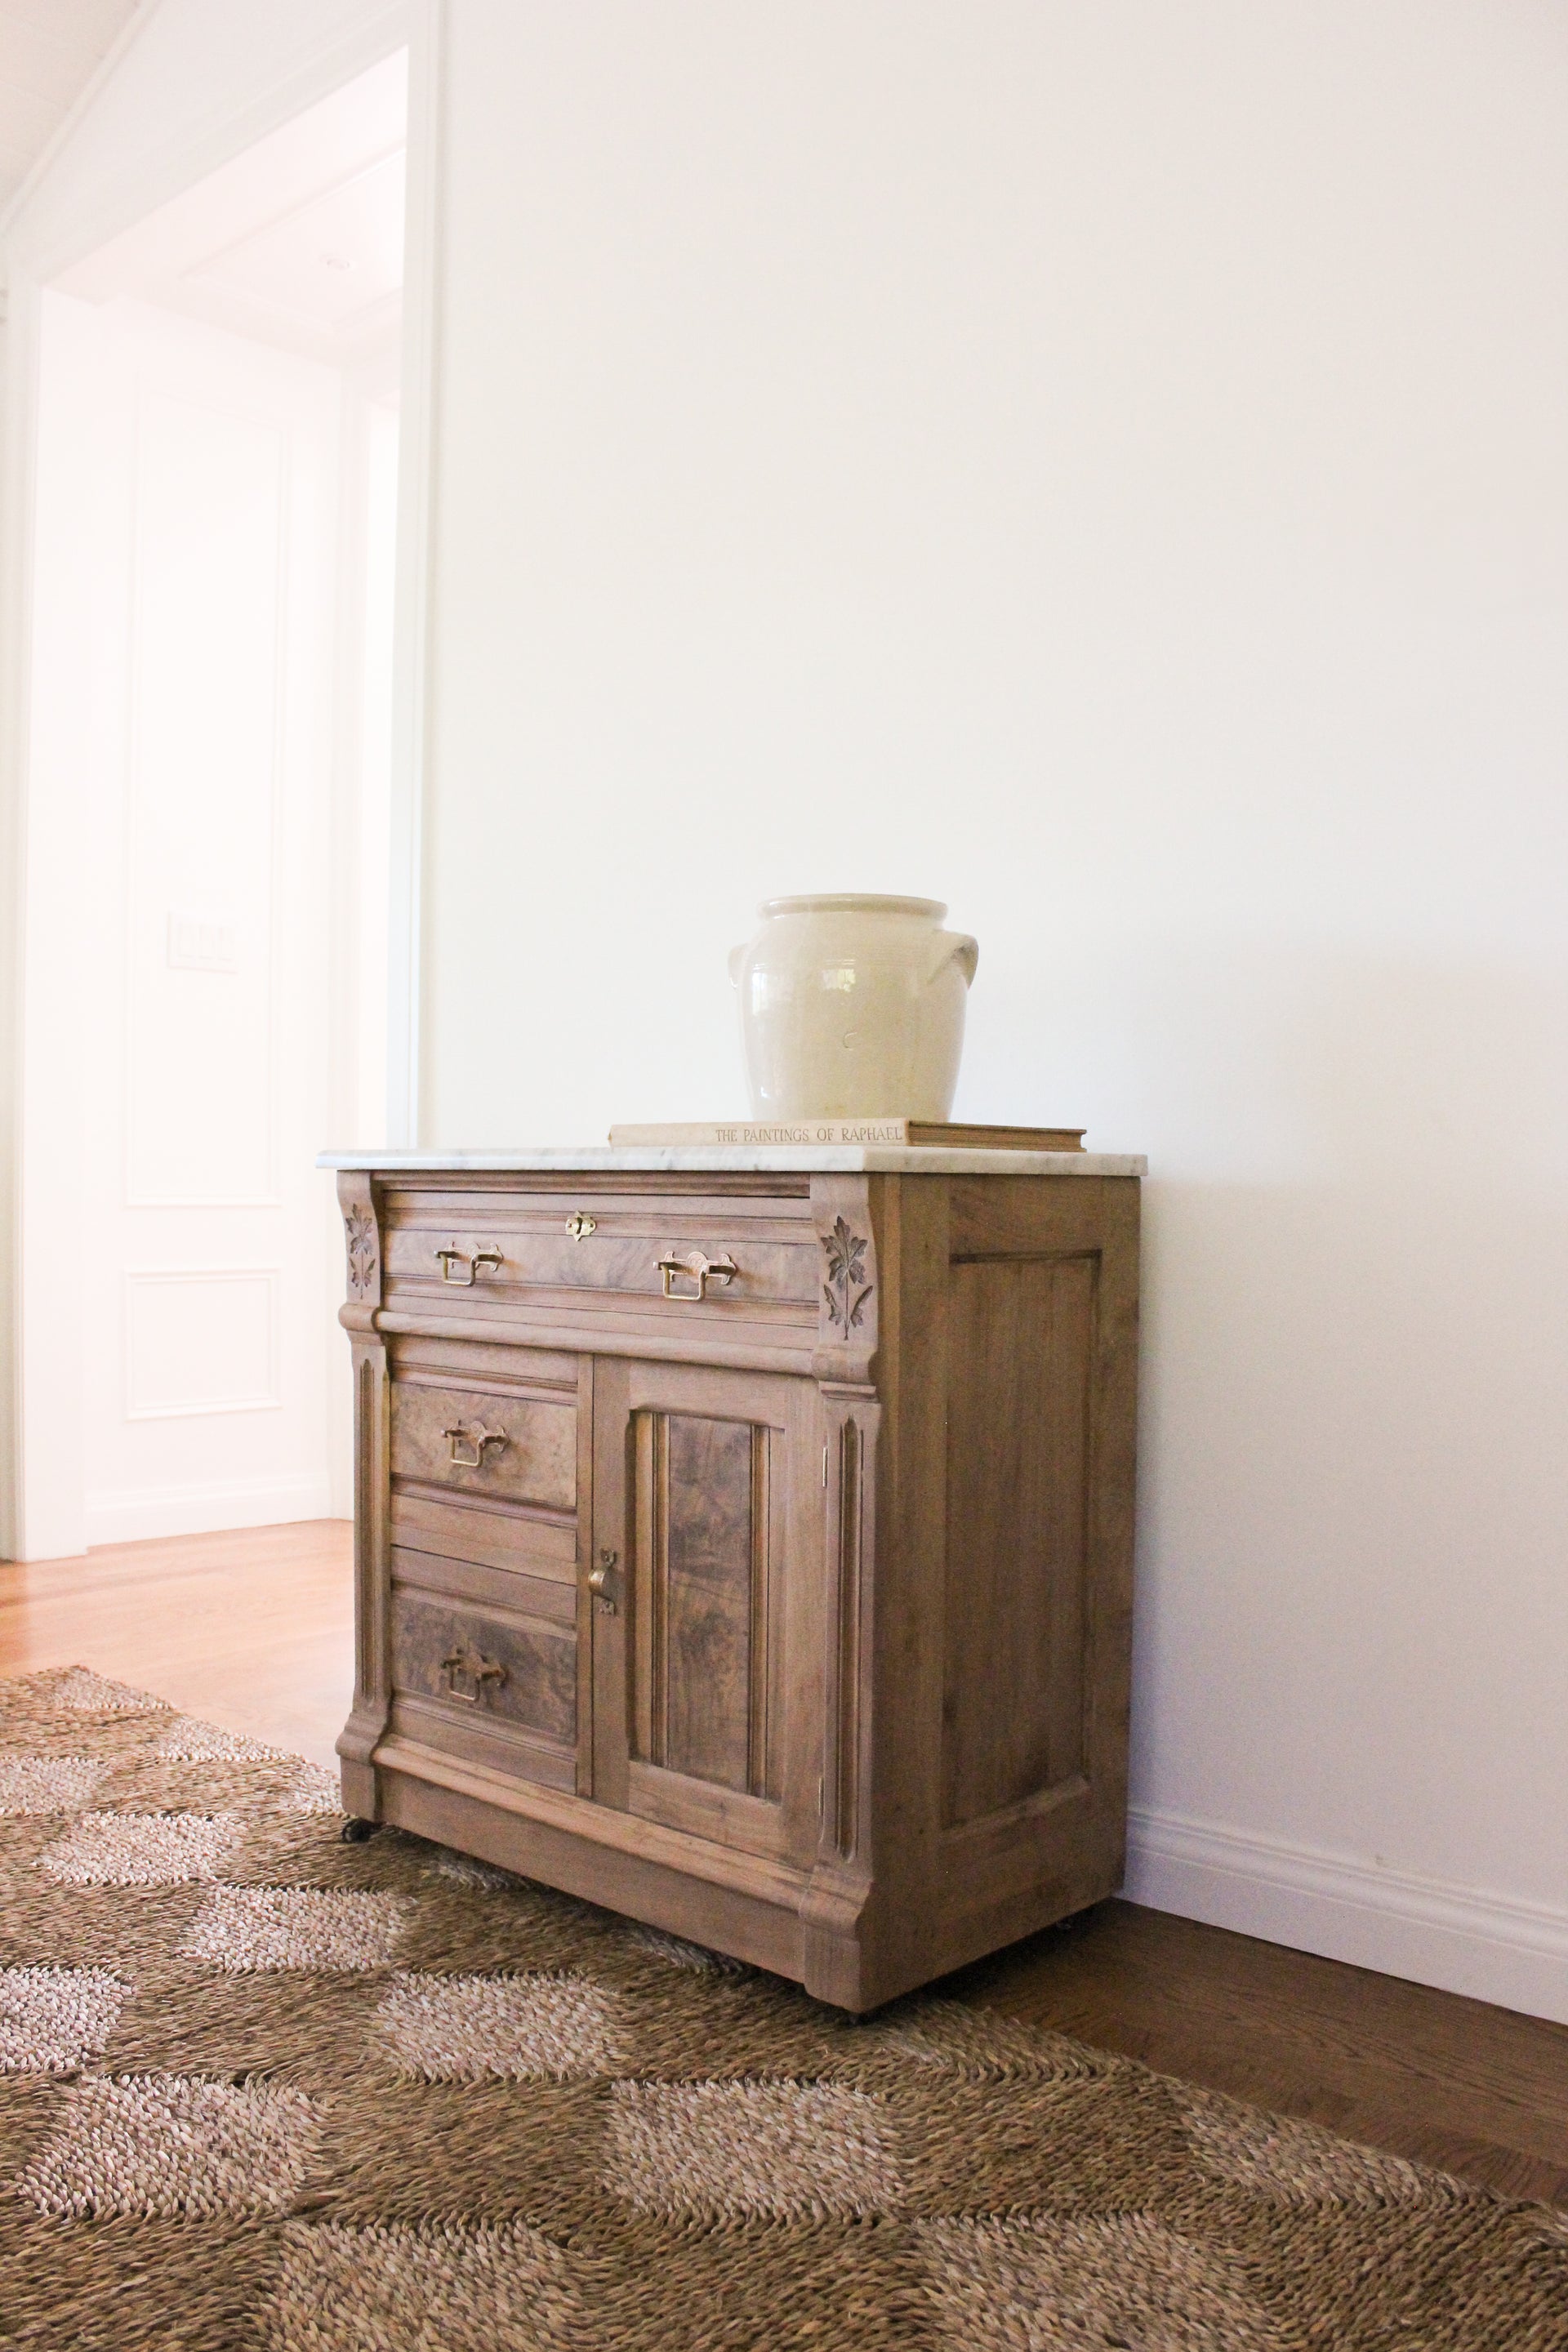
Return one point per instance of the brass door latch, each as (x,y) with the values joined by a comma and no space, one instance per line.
(601,1584)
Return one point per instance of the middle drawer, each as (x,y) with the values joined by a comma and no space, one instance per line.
(518,1449)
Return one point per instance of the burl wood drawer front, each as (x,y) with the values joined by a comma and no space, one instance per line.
(486,1667)
(517,1449)
(462,1254)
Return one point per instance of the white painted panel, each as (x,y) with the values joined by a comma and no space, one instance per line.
(206,724)
(201,1340)
(193,839)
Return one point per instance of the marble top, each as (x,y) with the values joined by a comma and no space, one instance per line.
(742,1158)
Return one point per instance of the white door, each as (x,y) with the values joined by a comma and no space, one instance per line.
(179,1291)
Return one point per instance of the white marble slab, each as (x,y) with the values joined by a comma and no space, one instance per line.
(744,1158)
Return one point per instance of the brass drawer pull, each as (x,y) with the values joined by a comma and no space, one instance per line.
(466,1441)
(580,1225)
(470,1665)
(697,1268)
(449,1258)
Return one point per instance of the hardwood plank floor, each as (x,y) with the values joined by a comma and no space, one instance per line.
(255,1631)
(1473,2089)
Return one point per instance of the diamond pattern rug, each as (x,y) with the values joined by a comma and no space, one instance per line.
(264,2091)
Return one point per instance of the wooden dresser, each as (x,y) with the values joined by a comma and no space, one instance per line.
(744,1539)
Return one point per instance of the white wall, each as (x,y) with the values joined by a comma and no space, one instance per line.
(1107,466)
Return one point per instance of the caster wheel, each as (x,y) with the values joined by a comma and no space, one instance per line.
(355,1832)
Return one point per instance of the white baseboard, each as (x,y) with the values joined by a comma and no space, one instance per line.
(135,1514)
(1461,1938)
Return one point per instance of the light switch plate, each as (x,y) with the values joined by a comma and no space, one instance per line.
(200,943)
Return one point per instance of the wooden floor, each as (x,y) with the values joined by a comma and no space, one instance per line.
(253,1631)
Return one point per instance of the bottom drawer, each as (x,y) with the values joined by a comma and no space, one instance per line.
(486,1683)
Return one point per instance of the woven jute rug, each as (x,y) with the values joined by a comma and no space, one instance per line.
(263,2089)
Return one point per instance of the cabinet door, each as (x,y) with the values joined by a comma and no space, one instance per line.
(708,1536)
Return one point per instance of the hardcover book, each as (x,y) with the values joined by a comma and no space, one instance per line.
(945,1135)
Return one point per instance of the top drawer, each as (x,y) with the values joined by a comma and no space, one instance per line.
(754,1259)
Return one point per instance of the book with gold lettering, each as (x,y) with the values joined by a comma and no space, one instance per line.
(942,1134)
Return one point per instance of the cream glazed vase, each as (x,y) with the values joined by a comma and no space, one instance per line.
(852,1007)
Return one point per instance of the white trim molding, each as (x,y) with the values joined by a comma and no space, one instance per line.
(206,1507)
(411,622)
(16,508)
(1463,1939)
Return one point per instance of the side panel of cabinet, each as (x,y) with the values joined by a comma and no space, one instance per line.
(1021,1339)
(1039,1326)
(707,1674)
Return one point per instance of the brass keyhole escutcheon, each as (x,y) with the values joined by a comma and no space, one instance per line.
(579,1224)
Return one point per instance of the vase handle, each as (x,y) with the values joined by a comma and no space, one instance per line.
(962,950)
(737,957)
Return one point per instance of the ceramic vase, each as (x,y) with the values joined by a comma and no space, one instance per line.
(852,1007)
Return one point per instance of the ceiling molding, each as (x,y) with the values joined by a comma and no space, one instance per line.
(104,63)
(62,214)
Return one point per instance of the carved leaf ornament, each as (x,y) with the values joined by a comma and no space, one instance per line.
(359,1230)
(845,1289)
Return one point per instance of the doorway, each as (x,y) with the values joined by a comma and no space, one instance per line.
(207,826)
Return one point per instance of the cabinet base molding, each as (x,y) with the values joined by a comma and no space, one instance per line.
(749,1927)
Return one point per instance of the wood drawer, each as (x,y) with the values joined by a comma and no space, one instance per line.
(517,1449)
(491,1535)
(465,1254)
(488,1679)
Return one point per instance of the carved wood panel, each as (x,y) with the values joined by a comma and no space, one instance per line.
(701,1603)
(846,1679)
